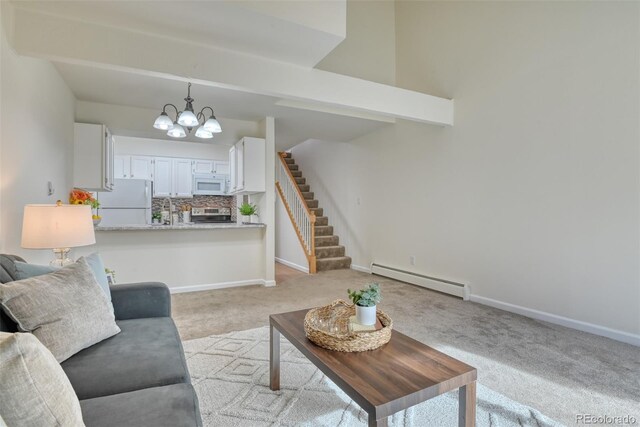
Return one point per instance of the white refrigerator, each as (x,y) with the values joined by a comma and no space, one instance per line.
(128,204)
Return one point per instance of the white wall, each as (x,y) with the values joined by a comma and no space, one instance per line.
(287,246)
(163,148)
(533,196)
(36,142)
(369,50)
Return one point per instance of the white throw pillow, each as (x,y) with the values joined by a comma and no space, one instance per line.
(66,310)
(34,391)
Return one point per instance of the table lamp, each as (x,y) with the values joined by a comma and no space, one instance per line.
(58,227)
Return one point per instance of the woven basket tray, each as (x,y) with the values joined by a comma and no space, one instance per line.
(328,327)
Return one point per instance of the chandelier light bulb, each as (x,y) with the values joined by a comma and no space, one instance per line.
(177,131)
(163,122)
(188,119)
(212,125)
(203,133)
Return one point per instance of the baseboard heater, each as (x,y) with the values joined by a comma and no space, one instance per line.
(441,285)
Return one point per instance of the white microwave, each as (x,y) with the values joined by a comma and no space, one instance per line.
(208,184)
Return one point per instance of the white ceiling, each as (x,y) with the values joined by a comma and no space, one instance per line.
(299,33)
(293,125)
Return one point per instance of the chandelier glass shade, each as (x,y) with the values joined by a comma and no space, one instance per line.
(188,119)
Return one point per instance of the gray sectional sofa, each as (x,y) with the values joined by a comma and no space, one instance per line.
(138,377)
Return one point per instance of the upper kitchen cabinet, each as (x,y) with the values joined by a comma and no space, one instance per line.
(211,166)
(221,168)
(172,177)
(93,159)
(132,167)
(247,166)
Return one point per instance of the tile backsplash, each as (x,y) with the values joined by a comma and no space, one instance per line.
(199,201)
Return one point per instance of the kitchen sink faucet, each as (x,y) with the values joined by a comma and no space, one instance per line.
(170,208)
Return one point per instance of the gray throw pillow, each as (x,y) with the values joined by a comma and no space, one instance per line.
(66,310)
(34,390)
(24,270)
(97,266)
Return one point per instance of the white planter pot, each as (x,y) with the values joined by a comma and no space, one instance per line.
(366,315)
(246,219)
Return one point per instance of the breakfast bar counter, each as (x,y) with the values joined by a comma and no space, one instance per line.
(181,226)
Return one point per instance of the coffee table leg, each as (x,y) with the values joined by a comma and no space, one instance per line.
(382,422)
(274,358)
(467,405)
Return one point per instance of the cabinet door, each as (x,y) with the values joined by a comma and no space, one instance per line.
(182,178)
(141,167)
(221,168)
(203,166)
(121,167)
(162,177)
(232,169)
(240,165)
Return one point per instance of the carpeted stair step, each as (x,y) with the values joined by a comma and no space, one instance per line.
(304,187)
(324,230)
(307,195)
(296,174)
(286,154)
(329,251)
(322,220)
(311,203)
(326,241)
(324,264)
(301,181)
(289,160)
(293,167)
(317,211)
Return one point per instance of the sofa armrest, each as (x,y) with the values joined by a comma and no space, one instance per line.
(140,300)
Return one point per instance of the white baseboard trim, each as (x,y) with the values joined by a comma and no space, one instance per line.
(292,265)
(614,334)
(221,285)
(361,268)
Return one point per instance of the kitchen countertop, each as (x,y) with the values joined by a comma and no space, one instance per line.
(191,226)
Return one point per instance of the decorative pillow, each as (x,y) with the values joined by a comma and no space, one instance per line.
(34,390)
(66,310)
(25,270)
(97,266)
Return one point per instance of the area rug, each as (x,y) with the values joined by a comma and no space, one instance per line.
(231,376)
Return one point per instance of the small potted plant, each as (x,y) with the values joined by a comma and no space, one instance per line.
(365,301)
(156,217)
(246,210)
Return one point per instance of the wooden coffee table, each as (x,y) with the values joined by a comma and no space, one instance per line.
(398,375)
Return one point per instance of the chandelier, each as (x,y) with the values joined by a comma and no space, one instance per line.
(188,119)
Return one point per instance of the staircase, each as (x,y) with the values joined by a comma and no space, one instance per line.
(322,246)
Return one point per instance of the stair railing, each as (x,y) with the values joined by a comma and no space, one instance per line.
(302,218)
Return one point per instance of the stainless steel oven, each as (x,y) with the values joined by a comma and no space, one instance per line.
(204,215)
(209,184)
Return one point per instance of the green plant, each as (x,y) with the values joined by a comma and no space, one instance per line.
(248,209)
(156,215)
(367,297)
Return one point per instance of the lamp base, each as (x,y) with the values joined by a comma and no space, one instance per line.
(61,258)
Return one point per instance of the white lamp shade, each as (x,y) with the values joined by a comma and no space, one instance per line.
(177,131)
(57,226)
(188,119)
(163,122)
(203,133)
(212,125)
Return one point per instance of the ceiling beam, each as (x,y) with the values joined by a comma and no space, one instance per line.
(65,40)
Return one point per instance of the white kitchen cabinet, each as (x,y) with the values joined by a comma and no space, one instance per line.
(247,166)
(182,178)
(93,160)
(172,177)
(141,167)
(121,167)
(221,168)
(203,166)
(162,177)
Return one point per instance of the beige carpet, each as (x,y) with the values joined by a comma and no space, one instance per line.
(230,373)
(558,371)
